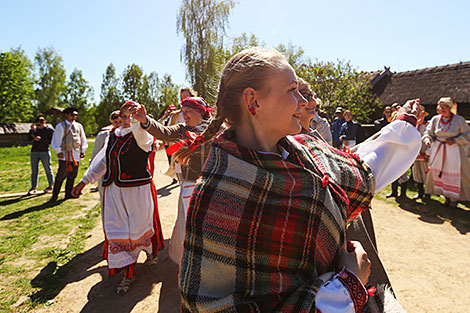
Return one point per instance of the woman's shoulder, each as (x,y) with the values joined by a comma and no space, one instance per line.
(460,118)
(310,141)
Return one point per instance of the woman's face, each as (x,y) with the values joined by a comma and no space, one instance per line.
(444,109)
(191,117)
(388,112)
(348,116)
(280,104)
(116,122)
(309,110)
(126,118)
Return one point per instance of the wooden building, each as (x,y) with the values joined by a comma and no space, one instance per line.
(429,85)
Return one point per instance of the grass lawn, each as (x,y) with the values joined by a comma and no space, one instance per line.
(35,234)
(433,209)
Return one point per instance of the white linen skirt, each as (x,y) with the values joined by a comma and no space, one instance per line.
(127,222)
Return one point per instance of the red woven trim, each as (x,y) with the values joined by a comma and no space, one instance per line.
(408,118)
(356,290)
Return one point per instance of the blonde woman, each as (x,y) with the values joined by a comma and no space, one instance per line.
(266,223)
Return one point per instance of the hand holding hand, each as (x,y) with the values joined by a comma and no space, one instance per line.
(77,190)
(354,258)
(37,138)
(450,141)
(138,112)
(82,155)
(412,107)
(60,155)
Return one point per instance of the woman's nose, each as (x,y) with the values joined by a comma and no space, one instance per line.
(301,100)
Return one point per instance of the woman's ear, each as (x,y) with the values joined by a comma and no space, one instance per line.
(249,97)
(249,100)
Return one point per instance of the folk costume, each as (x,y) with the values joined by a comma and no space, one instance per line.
(187,175)
(449,173)
(129,208)
(69,139)
(264,230)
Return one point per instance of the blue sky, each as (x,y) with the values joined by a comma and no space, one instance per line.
(89,35)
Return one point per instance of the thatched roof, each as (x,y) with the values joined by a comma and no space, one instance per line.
(428,84)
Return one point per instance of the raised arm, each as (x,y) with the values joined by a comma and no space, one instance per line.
(144,139)
(157,130)
(393,150)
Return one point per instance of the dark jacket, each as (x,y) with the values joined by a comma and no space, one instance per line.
(350,131)
(192,170)
(380,123)
(46,136)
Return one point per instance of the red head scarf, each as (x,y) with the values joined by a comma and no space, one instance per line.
(198,104)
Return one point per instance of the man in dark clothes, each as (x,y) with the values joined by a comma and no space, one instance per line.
(336,127)
(351,131)
(384,121)
(41,135)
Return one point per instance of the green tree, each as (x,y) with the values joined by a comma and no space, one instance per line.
(132,82)
(242,42)
(51,78)
(169,94)
(79,94)
(295,55)
(203,23)
(110,98)
(16,87)
(152,83)
(339,84)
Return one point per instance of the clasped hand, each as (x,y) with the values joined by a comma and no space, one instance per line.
(412,107)
(138,112)
(354,258)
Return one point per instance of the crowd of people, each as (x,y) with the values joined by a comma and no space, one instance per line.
(442,166)
(266,190)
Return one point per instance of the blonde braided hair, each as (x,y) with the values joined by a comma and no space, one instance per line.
(248,68)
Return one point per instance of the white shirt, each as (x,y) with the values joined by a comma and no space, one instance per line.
(56,142)
(389,154)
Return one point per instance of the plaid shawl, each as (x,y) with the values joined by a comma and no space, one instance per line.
(260,229)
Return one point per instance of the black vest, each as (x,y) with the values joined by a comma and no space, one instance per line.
(126,162)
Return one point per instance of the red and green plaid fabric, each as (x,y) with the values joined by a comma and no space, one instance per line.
(260,229)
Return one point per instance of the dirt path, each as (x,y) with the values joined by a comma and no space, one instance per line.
(427,259)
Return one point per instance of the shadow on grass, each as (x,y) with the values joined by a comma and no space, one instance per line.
(102,297)
(20,198)
(433,211)
(35,208)
(166,190)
